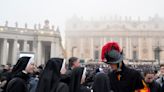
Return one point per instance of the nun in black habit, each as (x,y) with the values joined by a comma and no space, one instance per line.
(77,79)
(101,83)
(50,79)
(20,75)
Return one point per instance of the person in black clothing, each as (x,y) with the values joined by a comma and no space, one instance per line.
(73,63)
(149,76)
(101,83)
(5,77)
(162,89)
(77,80)
(122,78)
(160,80)
(50,79)
(20,75)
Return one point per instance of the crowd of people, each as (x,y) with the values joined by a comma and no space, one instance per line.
(56,76)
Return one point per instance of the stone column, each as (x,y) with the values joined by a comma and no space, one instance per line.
(14,52)
(121,45)
(9,58)
(130,48)
(92,49)
(53,50)
(25,46)
(39,53)
(151,57)
(57,49)
(81,48)
(127,48)
(4,52)
(139,48)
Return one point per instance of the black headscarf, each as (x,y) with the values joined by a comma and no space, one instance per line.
(75,82)
(101,83)
(50,76)
(20,65)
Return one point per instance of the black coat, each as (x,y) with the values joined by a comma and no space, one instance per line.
(18,84)
(66,77)
(130,80)
(162,89)
(62,87)
(154,87)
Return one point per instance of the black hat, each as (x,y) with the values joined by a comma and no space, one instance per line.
(113,57)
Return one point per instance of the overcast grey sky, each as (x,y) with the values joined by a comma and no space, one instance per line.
(57,11)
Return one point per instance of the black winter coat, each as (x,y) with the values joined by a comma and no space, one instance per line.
(18,83)
(130,80)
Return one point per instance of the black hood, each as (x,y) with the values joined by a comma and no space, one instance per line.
(75,82)
(101,83)
(20,65)
(50,76)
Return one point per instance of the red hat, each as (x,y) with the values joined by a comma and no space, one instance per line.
(108,47)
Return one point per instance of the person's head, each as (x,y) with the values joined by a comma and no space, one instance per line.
(149,76)
(30,66)
(24,64)
(112,55)
(162,69)
(74,62)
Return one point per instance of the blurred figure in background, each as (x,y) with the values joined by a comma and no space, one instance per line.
(5,76)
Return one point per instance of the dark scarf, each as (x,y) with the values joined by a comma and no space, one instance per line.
(50,76)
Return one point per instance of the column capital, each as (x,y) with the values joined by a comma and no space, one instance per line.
(15,39)
(54,41)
